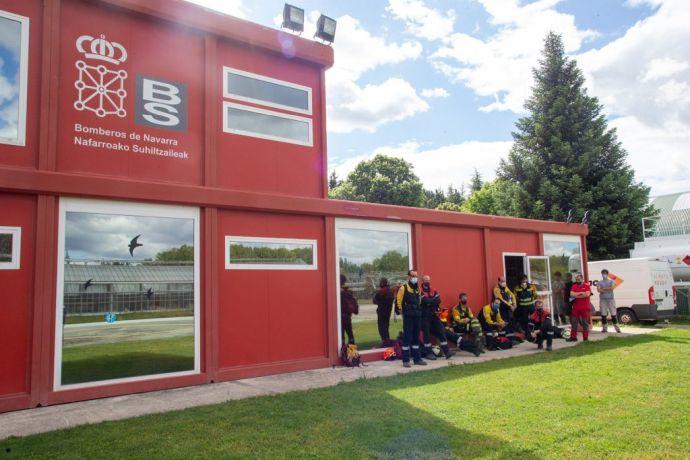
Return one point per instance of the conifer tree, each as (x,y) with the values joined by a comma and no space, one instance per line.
(565,156)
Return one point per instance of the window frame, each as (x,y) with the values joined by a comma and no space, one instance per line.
(228,94)
(375,225)
(256,239)
(15,263)
(248,108)
(127,209)
(23,78)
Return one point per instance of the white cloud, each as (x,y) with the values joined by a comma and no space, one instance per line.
(663,67)
(422,21)
(659,155)
(447,165)
(501,66)
(232,7)
(434,92)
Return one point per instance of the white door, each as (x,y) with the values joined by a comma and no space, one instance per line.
(539,274)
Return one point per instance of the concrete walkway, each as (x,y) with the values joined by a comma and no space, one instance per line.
(43,419)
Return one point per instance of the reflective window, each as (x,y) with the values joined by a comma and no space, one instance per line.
(267,124)
(128,304)
(267,91)
(14,42)
(367,252)
(565,259)
(9,247)
(269,253)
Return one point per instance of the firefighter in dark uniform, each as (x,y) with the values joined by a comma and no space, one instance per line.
(431,325)
(409,303)
(526,295)
(541,326)
(463,328)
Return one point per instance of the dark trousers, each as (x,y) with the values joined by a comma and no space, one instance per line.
(522,317)
(469,340)
(614,320)
(411,328)
(544,331)
(384,319)
(432,326)
(507,315)
(346,327)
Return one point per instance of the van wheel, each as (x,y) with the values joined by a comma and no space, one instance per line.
(626,316)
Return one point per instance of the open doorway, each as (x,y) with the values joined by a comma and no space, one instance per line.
(514,268)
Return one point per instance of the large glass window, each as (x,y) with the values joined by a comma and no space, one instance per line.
(367,252)
(266,91)
(267,124)
(128,295)
(14,45)
(565,259)
(269,253)
(10,243)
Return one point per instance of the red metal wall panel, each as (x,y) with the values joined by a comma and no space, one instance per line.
(504,241)
(16,306)
(26,156)
(268,316)
(453,257)
(154,50)
(252,164)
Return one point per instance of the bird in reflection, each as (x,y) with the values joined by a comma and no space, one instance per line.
(570,217)
(134,244)
(149,293)
(88,283)
(585,218)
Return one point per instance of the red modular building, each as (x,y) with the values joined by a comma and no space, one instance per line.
(165,219)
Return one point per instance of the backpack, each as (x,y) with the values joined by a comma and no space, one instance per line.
(350,356)
(503,343)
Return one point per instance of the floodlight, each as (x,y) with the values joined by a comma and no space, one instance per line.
(325,29)
(293,18)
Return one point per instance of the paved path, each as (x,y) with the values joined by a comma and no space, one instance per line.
(42,419)
(84,334)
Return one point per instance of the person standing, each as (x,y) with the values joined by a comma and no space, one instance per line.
(409,302)
(348,307)
(526,295)
(507,302)
(607,303)
(431,325)
(557,287)
(580,292)
(383,299)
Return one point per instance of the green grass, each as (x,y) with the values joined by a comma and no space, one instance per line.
(99,318)
(367,333)
(126,359)
(624,398)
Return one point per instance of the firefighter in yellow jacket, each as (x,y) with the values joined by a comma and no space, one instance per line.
(462,327)
(507,302)
(526,295)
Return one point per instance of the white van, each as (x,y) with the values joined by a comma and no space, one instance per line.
(646,292)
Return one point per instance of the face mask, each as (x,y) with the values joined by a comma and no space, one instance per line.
(426,286)
(524,284)
(413,280)
(494,306)
(503,284)
(463,301)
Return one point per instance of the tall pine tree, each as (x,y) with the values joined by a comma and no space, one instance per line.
(565,156)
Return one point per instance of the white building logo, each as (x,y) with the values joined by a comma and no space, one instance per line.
(100,89)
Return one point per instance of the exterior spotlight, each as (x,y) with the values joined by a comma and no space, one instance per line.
(325,29)
(293,18)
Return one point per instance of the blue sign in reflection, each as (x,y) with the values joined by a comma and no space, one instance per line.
(110,317)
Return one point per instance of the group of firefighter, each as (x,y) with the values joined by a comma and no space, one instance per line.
(512,316)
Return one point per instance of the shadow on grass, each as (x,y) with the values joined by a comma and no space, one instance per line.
(360,419)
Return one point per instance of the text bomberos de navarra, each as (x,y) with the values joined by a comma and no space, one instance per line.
(119,136)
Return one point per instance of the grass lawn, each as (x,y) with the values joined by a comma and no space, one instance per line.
(628,398)
(126,359)
(99,318)
(367,333)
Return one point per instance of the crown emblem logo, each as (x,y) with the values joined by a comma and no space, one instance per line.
(101,49)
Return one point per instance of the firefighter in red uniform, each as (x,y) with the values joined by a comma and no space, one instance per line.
(541,326)
(431,324)
(580,292)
